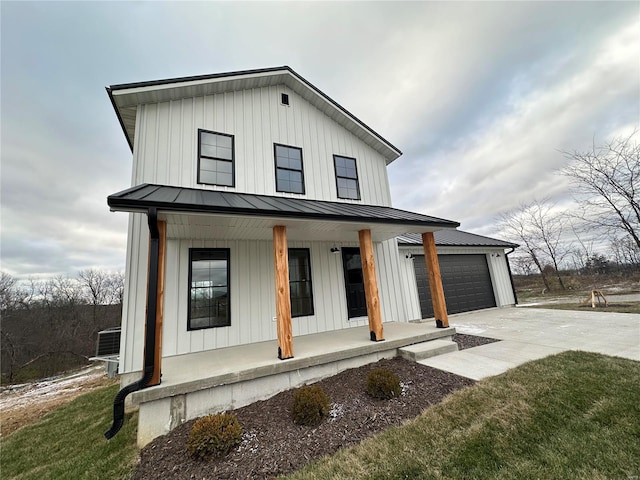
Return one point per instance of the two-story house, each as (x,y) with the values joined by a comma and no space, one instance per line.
(262,249)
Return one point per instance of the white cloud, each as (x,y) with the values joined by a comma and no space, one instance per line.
(479,96)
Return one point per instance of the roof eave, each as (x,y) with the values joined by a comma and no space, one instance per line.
(387,149)
(123,205)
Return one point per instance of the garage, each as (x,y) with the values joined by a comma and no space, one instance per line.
(474,269)
(466,282)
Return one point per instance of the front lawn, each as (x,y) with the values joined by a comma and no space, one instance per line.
(68,443)
(573,415)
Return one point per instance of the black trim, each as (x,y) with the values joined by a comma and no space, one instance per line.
(150,328)
(513,286)
(233,157)
(193,200)
(309,282)
(227,252)
(357,179)
(195,78)
(124,86)
(275,164)
(115,107)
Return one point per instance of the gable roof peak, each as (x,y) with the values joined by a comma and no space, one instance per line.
(126,98)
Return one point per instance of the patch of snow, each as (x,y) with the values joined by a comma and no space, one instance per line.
(404,387)
(247,439)
(17,396)
(468,329)
(337,410)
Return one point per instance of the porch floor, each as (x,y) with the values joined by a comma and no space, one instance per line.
(188,373)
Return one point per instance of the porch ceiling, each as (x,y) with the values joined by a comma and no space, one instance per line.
(201,214)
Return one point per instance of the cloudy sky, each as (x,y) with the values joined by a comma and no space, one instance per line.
(479,96)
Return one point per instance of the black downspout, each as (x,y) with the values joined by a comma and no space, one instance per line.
(513,287)
(150,328)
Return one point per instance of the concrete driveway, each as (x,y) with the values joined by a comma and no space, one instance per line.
(533,333)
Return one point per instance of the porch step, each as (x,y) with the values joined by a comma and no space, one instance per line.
(420,351)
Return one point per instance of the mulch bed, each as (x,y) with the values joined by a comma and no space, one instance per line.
(273,445)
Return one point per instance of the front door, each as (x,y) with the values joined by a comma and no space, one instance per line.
(354,282)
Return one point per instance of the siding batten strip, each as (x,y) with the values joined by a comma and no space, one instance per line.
(283,299)
(435,280)
(371,285)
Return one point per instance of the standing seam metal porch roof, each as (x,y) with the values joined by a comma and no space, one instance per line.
(455,238)
(191,200)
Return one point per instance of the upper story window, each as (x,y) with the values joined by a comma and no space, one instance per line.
(208,288)
(289,173)
(346,177)
(215,158)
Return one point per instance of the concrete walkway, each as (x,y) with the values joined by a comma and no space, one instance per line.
(533,333)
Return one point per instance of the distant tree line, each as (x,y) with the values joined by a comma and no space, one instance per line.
(51,325)
(600,235)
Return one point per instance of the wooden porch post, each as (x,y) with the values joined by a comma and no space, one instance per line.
(370,285)
(435,280)
(157,354)
(283,299)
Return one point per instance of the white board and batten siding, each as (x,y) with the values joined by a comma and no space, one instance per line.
(252,296)
(166,144)
(165,152)
(500,278)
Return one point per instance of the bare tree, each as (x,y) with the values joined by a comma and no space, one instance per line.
(115,283)
(95,285)
(518,226)
(606,180)
(549,229)
(7,291)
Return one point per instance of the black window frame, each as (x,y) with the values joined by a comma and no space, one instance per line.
(227,254)
(275,164)
(284,99)
(308,281)
(357,177)
(232,161)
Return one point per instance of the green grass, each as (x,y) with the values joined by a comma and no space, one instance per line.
(626,307)
(68,443)
(573,415)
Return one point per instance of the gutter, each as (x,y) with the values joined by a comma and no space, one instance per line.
(150,328)
(513,287)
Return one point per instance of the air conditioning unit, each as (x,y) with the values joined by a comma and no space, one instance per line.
(108,349)
(108,342)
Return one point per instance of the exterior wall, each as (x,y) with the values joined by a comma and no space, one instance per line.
(252,294)
(165,152)
(166,144)
(497,268)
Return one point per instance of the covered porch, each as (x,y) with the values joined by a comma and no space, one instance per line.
(224,379)
(204,215)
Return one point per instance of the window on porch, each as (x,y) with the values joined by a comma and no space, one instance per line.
(300,282)
(208,288)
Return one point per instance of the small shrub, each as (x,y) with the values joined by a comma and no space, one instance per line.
(310,406)
(383,383)
(214,435)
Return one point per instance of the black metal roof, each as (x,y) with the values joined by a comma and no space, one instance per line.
(456,238)
(180,199)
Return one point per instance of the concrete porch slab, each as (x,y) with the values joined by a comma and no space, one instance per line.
(192,372)
(224,379)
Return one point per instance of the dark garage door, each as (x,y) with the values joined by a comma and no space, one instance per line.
(465,279)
